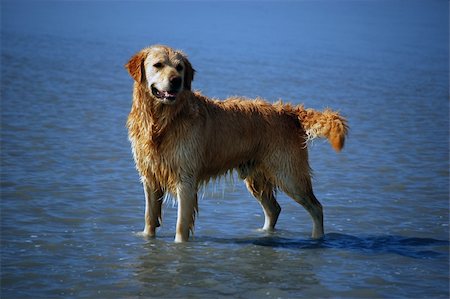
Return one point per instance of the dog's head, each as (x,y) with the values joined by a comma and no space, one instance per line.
(164,71)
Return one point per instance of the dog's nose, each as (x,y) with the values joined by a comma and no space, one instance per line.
(175,82)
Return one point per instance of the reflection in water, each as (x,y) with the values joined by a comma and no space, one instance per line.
(233,266)
(259,265)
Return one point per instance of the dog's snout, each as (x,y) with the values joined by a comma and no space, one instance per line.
(175,82)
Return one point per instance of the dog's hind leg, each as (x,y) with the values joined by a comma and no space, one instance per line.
(303,194)
(314,208)
(153,202)
(187,210)
(263,191)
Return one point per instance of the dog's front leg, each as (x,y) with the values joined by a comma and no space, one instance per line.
(153,202)
(187,210)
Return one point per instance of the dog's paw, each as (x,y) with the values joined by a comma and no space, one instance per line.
(145,234)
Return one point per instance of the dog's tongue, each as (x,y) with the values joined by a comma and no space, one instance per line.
(167,94)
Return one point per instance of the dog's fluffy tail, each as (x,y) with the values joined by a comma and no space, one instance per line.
(327,124)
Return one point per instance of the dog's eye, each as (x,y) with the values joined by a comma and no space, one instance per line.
(158,65)
(179,67)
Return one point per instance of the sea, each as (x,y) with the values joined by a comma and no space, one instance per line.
(72,204)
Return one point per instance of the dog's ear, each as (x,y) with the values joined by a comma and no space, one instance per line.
(136,66)
(188,73)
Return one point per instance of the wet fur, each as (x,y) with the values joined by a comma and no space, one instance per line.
(179,147)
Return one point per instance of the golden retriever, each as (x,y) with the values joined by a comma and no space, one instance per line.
(181,139)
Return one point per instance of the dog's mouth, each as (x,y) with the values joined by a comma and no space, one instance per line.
(164,95)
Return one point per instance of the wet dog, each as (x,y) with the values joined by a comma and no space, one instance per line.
(181,139)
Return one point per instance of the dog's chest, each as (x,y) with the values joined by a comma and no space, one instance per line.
(175,155)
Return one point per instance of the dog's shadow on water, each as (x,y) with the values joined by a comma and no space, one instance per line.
(421,248)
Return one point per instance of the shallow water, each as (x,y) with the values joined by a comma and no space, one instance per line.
(71,201)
